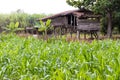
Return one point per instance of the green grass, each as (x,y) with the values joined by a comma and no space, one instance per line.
(33,59)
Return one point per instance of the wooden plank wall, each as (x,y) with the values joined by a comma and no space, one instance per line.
(59,21)
(88,25)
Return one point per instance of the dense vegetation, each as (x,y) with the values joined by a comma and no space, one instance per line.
(24,19)
(33,59)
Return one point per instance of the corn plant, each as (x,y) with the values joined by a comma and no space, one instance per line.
(33,59)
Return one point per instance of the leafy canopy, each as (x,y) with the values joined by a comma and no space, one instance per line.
(44,26)
(12,26)
(98,6)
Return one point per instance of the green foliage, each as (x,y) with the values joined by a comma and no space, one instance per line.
(12,26)
(17,24)
(44,26)
(100,6)
(115,24)
(104,25)
(79,3)
(33,59)
(3,20)
(75,3)
(24,19)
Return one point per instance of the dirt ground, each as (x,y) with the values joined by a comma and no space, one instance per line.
(73,38)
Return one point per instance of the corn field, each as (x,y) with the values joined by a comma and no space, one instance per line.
(34,59)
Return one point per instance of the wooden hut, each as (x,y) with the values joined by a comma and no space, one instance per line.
(75,21)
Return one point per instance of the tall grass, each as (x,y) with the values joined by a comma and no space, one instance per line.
(33,59)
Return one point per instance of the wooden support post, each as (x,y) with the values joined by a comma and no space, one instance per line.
(74,22)
(91,34)
(63,31)
(37,32)
(32,31)
(96,35)
(60,31)
(78,35)
(54,32)
(84,35)
(66,32)
(26,31)
(71,32)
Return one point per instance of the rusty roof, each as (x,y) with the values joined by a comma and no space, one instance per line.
(78,12)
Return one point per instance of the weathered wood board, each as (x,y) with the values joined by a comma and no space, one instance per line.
(59,21)
(88,25)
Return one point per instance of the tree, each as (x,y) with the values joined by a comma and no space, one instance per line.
(104,7)
(44,27)
(12,27)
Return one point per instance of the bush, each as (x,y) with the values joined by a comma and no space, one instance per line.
(24,19)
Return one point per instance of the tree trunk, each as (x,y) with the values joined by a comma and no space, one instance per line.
(109,29)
